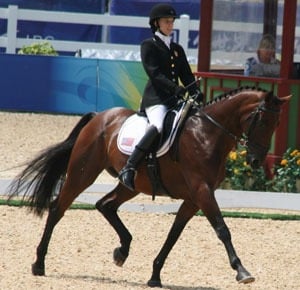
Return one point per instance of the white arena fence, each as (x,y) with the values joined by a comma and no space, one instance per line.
(13,14)
(10,42)
(230,44)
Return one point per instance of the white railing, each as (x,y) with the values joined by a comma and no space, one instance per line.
(13,14)
(183,25)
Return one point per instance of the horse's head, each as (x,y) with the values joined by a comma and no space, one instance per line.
(262,124)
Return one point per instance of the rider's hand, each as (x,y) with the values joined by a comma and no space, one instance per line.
(198,96)
(180,92)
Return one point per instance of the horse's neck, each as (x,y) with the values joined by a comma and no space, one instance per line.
(233,110)
(226,114)
(220,123)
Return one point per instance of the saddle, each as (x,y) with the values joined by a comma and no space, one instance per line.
(134,128)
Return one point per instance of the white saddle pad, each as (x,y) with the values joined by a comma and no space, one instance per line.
(134,128)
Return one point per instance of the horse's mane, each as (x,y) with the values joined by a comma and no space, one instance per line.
(231,93)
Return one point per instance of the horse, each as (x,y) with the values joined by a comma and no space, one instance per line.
(53,179)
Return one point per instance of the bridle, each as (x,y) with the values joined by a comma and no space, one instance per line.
(239,140)
(244,139)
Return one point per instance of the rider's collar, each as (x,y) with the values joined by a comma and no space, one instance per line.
(166,39)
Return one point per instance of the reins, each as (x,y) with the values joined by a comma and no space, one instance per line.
(237,139)
(243,140)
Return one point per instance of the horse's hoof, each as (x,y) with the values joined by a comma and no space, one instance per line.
(37,271)
(245,278)
(119,257)
(154,283)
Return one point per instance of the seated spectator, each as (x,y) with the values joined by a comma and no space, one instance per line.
(266,63)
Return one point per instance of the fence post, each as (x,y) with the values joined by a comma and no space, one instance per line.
(184,31)
(12,21)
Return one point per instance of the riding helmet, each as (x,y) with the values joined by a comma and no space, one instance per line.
(160,11)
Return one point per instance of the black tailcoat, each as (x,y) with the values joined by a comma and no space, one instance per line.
(164,67)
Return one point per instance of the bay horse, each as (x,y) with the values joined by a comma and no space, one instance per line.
(53,180)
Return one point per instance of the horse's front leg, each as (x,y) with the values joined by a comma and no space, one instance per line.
(185,213)
(211,210)
(243,276)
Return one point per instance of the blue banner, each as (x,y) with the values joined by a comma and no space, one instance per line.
(68,85)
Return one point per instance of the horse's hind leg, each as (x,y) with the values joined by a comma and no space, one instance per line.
(71,189)
(212,212)
(38,267)
(108,206)
(56,212)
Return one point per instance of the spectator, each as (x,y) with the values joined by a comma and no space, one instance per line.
(266,63)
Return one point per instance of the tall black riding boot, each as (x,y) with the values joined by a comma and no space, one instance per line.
(127,174)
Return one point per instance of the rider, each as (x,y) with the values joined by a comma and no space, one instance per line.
(164,62)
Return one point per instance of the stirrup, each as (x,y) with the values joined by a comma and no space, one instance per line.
(126,176)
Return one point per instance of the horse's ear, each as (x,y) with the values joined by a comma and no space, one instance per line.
(282,100)
(285,98)
(278,101)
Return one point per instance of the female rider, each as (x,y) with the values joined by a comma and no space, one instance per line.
(165,63)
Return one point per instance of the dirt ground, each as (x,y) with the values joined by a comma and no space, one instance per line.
(80,252)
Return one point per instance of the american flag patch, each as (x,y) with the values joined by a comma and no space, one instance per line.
(127,141)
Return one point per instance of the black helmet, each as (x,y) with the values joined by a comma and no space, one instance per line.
(161,10)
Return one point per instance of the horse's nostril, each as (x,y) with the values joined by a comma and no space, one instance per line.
(255,163)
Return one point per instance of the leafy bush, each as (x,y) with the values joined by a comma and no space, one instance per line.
(240,175)
(42,48)
(287,172)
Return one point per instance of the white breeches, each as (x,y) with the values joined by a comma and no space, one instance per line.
(156,115)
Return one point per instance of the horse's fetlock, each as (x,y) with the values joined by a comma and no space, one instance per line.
(235,263)
(126,241)
(158,264)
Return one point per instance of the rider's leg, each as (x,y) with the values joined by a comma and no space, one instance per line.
(127,174)
(155,115)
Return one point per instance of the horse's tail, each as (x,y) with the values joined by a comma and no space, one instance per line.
(43,177)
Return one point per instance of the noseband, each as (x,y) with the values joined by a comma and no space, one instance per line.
(244,140)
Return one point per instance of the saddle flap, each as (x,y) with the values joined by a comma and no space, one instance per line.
(131,132)
(134,128)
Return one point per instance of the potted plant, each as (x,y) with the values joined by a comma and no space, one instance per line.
(287,172)
(39,48)
(240,175)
